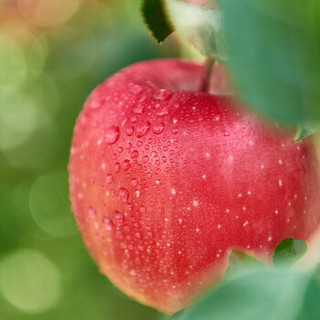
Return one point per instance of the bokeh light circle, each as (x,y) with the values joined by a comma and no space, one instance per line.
(50,206)
(30,281)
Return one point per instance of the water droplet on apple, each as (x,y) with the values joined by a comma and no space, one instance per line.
(137,193)
(162,112)
(136,89)
(226,133)
(107,223)
(112,134)
(143,128)
(92,213)
(128,146)
(138,109)
(134,182)
(118,218)
(175,130)
(134,119)
(129,130)
(123,194)
(109,178)
(117,167)
(162,94)
(158,128)
(97,102)
(132,273)
(134,154)
(145,159)
(126,165)
(120,149)
(154,154)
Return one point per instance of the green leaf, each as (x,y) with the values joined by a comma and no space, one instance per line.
(177,315)
(305,131)
(200,26)
(310,309)
(264,294)
(289,251)
(273,49)
(239,260)
(155,18)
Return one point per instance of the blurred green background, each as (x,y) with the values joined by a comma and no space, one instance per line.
(52,54)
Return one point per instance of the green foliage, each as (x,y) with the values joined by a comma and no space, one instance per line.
(273,49)
(289,251)
(305,131)
(239,260)
(155,18)
(200,26)
(264,294)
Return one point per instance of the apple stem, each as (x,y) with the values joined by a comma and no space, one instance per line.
(208,66)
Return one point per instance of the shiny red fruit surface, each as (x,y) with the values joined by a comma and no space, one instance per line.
(165,180)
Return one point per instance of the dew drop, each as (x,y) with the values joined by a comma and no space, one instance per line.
(134,119)
(109,178)
(128,146)
(137,193)
(136,89)
(158,128)
(154,154)
(107,223)
(145,159)
(126,165)
(143,128)
(120,149)
(123,194)
(175,130)
(92,213)
(162,112)
(118,218)
(129,130)
(134,154)
(112,134)
(134,182)
(117,167)
(97,102)
(138,109)
(162,94)
(226,133)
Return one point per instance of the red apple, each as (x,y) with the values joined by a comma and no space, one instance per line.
(165,180)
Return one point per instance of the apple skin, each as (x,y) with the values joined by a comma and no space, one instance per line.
(165,180)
